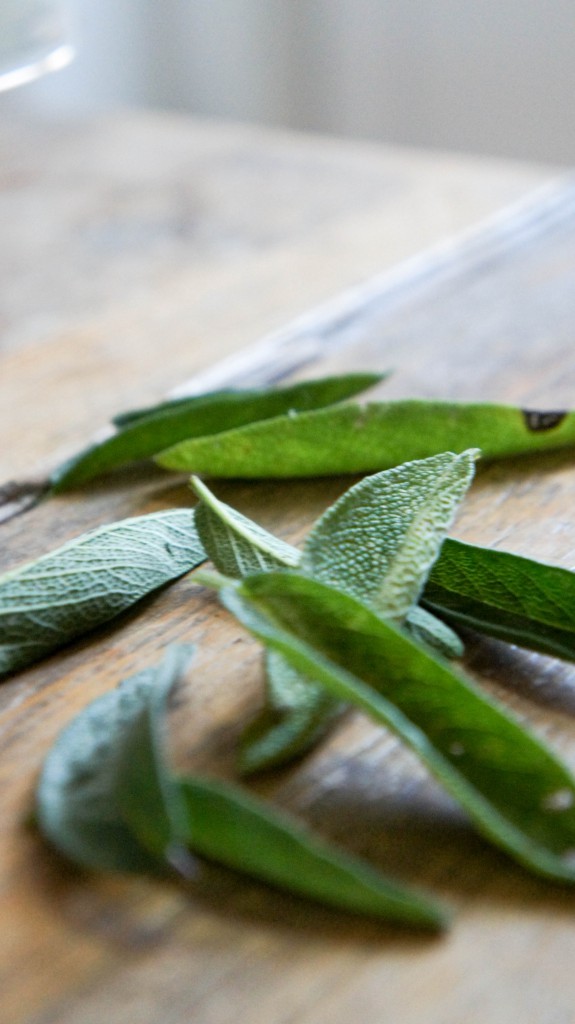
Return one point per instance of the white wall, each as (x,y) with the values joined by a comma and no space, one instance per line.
(493,76)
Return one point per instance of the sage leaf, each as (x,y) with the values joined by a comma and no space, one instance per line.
(46,603)
(147,794)
(232,827)
(108,800)
(356,439)
(433,633)
(297,712)
(145,432)
(308,394)
(507,596)
(88,777)
(513,788)
(379,541)
(236,545)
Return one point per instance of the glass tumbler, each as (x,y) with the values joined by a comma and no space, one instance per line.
(33,40)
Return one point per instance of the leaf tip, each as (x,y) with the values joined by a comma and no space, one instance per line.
(183,862)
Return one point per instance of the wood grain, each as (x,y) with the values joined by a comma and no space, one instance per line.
(139,252)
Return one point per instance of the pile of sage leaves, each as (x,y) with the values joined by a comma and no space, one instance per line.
(364,615)
(316,430)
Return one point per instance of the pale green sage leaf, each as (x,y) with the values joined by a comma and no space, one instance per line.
(379,541)
(236,545)
(46,603)
(433,632)
(297,712)
(95,772)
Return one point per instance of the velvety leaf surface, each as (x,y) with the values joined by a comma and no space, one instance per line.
(236,545)
(380,540)
(46,603)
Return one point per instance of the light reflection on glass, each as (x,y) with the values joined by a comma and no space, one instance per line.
(33,40)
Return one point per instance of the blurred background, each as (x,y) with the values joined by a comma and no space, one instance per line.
(483,76)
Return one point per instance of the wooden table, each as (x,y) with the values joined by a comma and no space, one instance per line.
(139,252)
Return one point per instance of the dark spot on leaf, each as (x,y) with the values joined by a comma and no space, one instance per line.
(535,420)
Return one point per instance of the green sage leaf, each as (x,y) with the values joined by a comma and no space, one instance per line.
(514,789)
(146,792)
(296,714)
(145,432)
(307,394)
(379,541)
(507,596)
(236,545)
(427,629)
(357,439)
(105,772)
(232,827)
(46,603)
(108,801)
(296,711)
